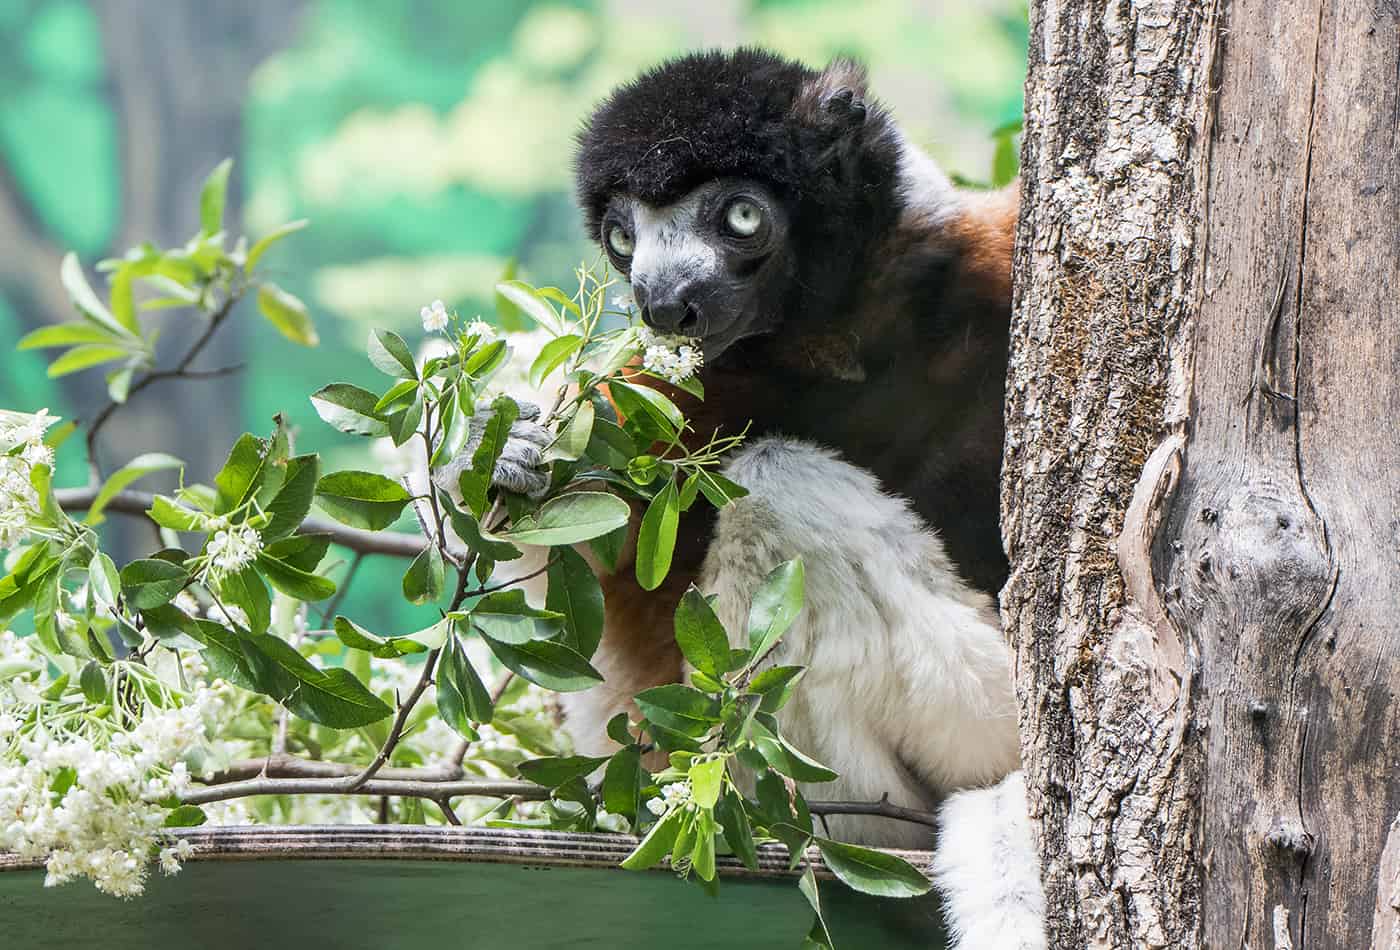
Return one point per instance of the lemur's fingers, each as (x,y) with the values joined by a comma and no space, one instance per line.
(531,432)
(524,479)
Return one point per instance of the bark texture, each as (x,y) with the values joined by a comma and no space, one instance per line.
(1201,499)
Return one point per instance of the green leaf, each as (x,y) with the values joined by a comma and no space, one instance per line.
(331,697)
(775,685)
(139,467)
(527,299)
(119,383)
(391,355)
(462,698)
(609,444)
(575,593)
(104,581)
(622,781)
(706,780)
(475,482)
(701,636)
(84,357)
(572,441)
(738,832)
(293,581)
(169,513)
(211,198)
(546,663)
(289,507)
(505,616)
(790,762)
(185,816)
(656,539)
(553,771)
(872,872)
(818,936)
(426,577)
(247,591)
(469,530)
(657,843)
(93,682)
(242,472)
(362,499)
(570,518)
(775,605)
(1006,160)
(350,409)
(260,247)
(719,490)
(642,401)
(149,583)
(67,334)
(288,314)
(679,707)
(385,648)
(75,282)
(552,356)
(482,364)
(608,547)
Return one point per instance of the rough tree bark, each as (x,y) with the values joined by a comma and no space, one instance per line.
(1201,492)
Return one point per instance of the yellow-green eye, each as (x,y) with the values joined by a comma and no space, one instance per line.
(620,242)
(743,218)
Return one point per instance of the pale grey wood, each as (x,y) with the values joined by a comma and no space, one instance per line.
(1205,355)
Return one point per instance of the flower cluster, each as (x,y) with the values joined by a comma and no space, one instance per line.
(673,358)
(21,448)
(231,548)
(435,317)
(85,794)
(673,796)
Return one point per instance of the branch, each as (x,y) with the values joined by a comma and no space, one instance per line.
(363,542)
(434,791)
(291,766)
(396,731)
(880,809)
(179,370)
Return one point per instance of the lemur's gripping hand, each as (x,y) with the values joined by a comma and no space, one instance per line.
(519,469)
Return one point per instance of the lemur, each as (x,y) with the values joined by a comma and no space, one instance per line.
(853,307)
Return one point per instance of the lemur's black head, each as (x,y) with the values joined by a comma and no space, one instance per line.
(738,190)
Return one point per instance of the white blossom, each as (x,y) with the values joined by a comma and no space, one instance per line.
(673,358)
(484,331)
(434,316)
(232,549)
(230,616)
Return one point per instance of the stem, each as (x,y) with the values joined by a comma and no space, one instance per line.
(373,787)
(359,781)
(178,371)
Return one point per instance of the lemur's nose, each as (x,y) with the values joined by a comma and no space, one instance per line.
(669,311)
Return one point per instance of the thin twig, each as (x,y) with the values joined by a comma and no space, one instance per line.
(178,371)
(881,809)
(396,730)
(513,581)
(447,812)
(292,766)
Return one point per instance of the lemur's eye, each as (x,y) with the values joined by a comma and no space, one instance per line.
(620,241)
(743,218)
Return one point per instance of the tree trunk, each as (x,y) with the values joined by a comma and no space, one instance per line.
(1201,493)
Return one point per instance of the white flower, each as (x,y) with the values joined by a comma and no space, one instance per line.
(625,302)
(230,616)
(186,603)
(233,549)
(481,329)
(656,806)
(434,316)
(673,358)
(676,794)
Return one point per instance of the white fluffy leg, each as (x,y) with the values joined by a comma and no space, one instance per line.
(987,869)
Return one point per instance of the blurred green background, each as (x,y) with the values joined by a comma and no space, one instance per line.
(429,142)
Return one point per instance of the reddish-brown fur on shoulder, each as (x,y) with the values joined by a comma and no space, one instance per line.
(985,233)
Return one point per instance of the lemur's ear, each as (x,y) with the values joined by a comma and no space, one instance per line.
(835,100)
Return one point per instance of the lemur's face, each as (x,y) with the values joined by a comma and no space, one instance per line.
(711,265)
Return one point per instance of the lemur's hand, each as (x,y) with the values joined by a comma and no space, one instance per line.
(519,469)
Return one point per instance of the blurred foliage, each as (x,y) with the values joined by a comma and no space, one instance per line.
(430,143)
